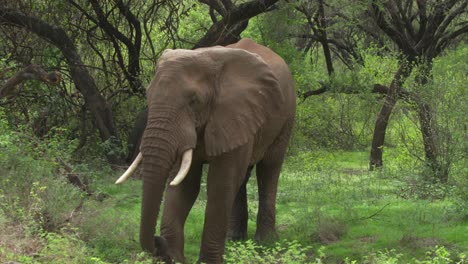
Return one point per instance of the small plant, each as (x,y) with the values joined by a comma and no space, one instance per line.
(383,257)
(250,252)
(141,258)
(440,255)
(66,249)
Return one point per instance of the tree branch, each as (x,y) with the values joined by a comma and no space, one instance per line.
(449,18)
(31,72)
(227,30)
(442,43)
(376,88)
(395,35)
(217,6)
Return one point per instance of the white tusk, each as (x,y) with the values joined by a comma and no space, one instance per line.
(184,167)
(130,169)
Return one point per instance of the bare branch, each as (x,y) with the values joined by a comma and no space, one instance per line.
(449,18)
(216,5)
(213,17)
(227,30)
(445,39)
(31,72)
(422,6)
(394,34)
(376,88)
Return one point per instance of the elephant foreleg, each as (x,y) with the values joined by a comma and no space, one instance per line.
(240,215)
(223,183)
(179,200)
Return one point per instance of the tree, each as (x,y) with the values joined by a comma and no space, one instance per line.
(110,47)
(84,82)
(421,30)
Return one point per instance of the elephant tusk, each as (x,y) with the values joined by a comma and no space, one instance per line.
(130,169)
(184,167)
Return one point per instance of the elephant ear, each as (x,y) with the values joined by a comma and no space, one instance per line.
(247,94)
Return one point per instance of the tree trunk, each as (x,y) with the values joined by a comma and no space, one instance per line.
(324,38)
(429,130)
(429,135)
(384,115)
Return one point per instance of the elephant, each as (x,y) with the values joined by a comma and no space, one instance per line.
(134,139)
(230,108)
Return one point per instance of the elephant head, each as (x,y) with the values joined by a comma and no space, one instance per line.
(204,103)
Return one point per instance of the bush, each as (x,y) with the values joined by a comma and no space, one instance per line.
(31,189)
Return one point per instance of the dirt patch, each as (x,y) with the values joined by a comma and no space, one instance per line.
(352,171)
(412,241)
(368,239)
(15,242)
(330,230)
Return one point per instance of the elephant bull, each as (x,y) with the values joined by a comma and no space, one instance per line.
(229,107)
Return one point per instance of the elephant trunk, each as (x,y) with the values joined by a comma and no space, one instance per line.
(153,188)
(158,160)
(162,144)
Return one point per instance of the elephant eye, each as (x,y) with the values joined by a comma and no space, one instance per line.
(193,100)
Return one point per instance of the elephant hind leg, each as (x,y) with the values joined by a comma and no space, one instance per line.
(240,216)
(267,180)
(268,171)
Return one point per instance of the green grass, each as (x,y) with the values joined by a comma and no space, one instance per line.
(328,203)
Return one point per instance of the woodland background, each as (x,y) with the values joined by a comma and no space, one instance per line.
(376,170)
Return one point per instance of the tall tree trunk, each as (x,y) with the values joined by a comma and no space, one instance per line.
(384,115)
(428,126)
(324,38)
(429,135)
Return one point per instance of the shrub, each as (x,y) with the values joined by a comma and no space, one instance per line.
(31,189)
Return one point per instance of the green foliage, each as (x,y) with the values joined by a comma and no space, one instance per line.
(378,66)
(333,121)
(193,25)
(380,257)
(6,255)
(330,208)
(250,252)
(66,249)
(110,241)
(30,190)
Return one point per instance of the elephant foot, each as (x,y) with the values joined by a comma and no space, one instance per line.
(266,237)
(162,249)
(237,235)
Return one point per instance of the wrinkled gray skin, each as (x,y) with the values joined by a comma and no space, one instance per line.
(235,107)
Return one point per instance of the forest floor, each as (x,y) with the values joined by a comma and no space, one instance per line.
(331,209)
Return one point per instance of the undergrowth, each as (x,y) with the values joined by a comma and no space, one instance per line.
(330,210)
